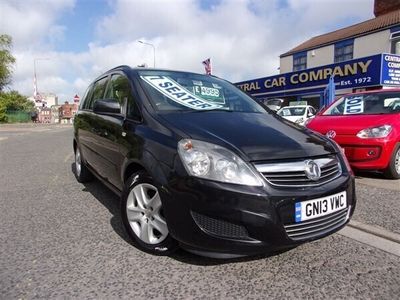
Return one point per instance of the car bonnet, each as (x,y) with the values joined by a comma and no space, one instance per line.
(259,136)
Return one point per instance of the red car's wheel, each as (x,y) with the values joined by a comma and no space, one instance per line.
(393,169)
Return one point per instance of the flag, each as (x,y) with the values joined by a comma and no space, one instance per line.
(329,92)
(207,66)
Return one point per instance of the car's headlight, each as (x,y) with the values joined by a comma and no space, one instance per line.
(209,161)
(375,132)
(299,121)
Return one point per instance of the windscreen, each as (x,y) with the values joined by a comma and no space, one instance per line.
(366,104)
(181,91)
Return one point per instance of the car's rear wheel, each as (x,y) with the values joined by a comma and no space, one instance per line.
(393,169)
(143,218)
(82,173)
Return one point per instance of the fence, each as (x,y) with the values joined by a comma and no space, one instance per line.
(18,116)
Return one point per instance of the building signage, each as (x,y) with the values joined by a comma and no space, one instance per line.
(390,70)
(356,73)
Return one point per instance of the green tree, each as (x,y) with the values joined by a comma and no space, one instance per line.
(14,101)
(3,113)
(6,60)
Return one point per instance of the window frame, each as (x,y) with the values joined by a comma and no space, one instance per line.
(299,61)
(342,51)
(394,39)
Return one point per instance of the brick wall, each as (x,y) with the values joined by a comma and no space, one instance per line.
(382,7)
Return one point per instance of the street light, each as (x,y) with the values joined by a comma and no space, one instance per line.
(35,92)
(154,52)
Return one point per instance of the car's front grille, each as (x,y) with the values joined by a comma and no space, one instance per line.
(317,227)
(293,174)
(220,228)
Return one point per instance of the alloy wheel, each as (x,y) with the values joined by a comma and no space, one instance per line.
(397,161)
(78,162)
(144,213)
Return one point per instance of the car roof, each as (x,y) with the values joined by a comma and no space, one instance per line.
(129,70)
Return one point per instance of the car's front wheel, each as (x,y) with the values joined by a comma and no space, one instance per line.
(393,169)
(143,217)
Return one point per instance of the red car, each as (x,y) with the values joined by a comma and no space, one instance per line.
(367,126)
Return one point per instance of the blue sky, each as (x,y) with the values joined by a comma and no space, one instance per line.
(80,23)
(83,38)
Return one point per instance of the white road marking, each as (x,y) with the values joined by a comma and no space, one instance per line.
(68,157)
(3,138)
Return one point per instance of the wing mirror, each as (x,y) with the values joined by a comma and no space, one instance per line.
(107,106)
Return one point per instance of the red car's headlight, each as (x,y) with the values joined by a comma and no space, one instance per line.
(375,132)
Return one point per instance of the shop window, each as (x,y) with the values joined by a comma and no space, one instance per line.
(344,50)
(299,61)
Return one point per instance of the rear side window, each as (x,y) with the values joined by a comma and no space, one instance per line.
(86,97)
(97,92)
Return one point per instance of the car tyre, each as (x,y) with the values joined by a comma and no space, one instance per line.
(82,173)
(143,218)
(393,169)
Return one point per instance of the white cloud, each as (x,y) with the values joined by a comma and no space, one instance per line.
(32,23)
(244,38)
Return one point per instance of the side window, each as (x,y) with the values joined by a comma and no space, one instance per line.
(86,97)
(120,89)
(97,92)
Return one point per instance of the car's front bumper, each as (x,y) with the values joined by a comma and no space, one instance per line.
(367,154)
(224,218)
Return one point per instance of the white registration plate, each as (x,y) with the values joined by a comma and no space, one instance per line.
(315,208)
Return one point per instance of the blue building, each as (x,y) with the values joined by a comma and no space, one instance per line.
(360,57)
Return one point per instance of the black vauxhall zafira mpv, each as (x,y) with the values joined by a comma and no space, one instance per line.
(201,165)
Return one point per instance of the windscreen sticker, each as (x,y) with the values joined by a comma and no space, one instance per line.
(178,93)
(216,86)
(210,94)
(389,101)
(354,105)
(197,82)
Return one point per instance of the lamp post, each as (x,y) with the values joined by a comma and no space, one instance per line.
(35,92)
(154,52)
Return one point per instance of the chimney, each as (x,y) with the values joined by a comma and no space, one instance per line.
(382,7)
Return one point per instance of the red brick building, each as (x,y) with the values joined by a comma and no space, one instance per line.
(44,115)
(67,112)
